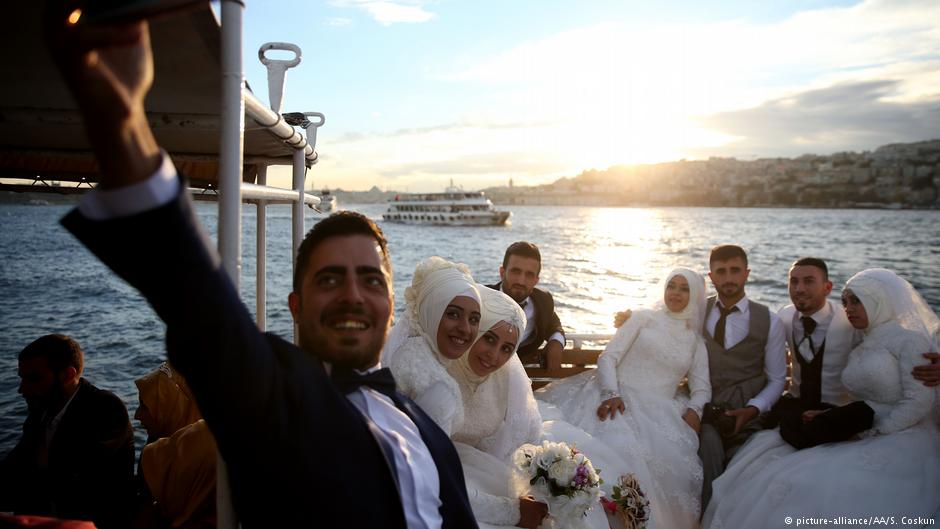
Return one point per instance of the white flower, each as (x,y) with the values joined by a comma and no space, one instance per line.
(523,459)
(548,453)
(562,472)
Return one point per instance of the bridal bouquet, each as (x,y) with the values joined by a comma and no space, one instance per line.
(628,507)
(561,477)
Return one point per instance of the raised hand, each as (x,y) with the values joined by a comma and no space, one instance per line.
(109,70)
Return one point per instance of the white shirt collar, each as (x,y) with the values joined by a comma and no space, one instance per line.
(822,315)
(742,305)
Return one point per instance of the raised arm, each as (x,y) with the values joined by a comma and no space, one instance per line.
(160,248)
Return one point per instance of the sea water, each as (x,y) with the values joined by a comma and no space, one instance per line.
(595,261)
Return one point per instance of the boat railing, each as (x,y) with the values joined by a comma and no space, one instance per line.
(580,354)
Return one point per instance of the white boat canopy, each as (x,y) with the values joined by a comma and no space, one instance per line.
(41,132)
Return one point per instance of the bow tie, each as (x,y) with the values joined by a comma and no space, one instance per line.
(380,380)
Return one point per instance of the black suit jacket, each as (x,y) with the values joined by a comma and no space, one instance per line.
(299,454)
(546,323)
(90,463)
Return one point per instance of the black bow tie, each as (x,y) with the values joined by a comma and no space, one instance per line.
(380,380)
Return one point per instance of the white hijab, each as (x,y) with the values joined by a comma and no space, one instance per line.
(888,297)
(435,284)
(694,311)
(522,422)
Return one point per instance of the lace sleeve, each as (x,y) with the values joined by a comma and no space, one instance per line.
(495,510)
(615,351)
(698,375)
(917,400)
(441,405)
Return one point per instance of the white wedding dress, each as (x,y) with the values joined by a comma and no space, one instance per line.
(501,415)
(893,470)
(645,362)
(491,431)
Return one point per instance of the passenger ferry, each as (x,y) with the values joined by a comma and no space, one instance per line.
(327,201)
(453,207)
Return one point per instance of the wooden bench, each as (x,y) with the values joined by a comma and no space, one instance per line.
(575,359)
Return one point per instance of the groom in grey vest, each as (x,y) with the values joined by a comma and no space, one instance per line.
(746,361)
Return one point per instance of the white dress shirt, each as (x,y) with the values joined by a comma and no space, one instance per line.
(737,326)
(529,309)
(418,479)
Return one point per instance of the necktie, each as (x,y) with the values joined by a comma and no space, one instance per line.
(722,320)
(806,346)
(380,380)
(523,303)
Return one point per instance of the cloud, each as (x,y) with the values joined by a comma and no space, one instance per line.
(631,93)
(338,22)
(388,12)
(444,127)
(822,80)
(849,116)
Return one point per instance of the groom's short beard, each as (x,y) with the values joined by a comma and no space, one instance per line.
(352,355)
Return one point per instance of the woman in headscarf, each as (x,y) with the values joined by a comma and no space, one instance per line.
(892,467)
(178,464)
(441,320)
(632,403)
(500,414)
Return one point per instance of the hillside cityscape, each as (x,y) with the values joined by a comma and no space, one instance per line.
(900,175)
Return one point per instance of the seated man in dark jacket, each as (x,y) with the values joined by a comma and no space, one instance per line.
(76,457)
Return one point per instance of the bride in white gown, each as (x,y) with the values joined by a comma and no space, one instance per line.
(892,469)
(441,321)
(638,375)
(500,414)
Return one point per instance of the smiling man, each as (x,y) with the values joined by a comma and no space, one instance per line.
(518,277)
(308,433)
(819,338)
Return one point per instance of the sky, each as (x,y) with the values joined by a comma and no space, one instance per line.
(418,92)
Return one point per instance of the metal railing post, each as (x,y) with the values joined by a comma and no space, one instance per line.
(297,211)
(261,255)
(231,151)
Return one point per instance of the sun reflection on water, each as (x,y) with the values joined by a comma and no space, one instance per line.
(618,264)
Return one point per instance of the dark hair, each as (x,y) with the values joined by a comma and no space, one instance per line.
(340,224)
(724,252)
(813,261)
(58,349)
(523,249)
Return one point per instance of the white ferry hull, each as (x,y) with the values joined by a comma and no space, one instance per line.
(327,204)
(497,218)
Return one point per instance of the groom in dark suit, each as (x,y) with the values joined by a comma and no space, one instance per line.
(522,264)
(314,435)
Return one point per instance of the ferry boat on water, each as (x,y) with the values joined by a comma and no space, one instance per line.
(453,207)
(327,201)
